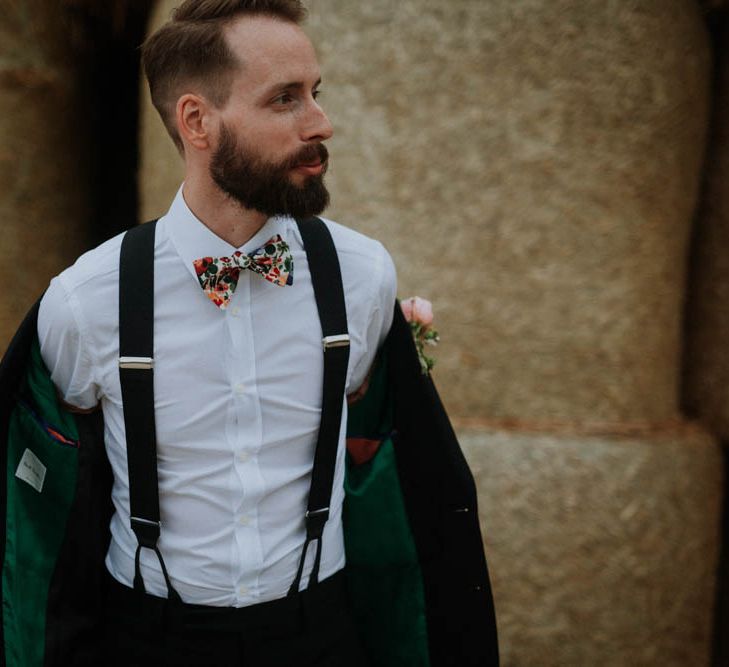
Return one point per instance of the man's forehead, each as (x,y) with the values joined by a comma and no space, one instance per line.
(271,48)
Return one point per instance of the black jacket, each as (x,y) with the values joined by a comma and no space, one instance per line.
(56,539)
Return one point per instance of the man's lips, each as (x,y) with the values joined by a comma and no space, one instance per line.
(311,168)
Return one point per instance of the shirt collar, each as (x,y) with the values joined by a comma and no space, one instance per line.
(193,239)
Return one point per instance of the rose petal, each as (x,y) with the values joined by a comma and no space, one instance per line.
(407,308)
(422,311)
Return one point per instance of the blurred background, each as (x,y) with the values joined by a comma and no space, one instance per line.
(554,176)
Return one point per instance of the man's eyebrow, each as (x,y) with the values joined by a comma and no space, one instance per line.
(291,85)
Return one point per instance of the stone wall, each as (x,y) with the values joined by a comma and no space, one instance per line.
(555,149)
(45,200)
(602,549)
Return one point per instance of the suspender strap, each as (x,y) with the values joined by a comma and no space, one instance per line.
(327,282)
(136,363)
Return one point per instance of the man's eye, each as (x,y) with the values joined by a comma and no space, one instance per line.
(316,94)
(284,98)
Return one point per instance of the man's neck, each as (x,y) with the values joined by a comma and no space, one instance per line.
(221,214)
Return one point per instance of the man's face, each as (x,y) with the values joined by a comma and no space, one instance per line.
(269,154)
(268,187)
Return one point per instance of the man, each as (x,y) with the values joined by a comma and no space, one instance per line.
(237,364)
(225,544)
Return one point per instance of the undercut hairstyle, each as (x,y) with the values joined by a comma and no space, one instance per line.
(190,49)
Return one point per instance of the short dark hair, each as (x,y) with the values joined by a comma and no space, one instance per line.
(191,48)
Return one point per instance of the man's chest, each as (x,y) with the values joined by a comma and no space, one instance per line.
(260,359)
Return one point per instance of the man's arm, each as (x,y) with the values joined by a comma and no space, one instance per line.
(379,322)
(65,349)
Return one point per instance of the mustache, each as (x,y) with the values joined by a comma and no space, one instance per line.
(308,155)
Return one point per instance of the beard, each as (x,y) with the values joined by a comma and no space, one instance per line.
(266,186)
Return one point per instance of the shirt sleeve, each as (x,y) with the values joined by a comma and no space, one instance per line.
(64,347)
(380,320)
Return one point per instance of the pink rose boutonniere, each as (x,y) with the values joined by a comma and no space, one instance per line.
(419,313)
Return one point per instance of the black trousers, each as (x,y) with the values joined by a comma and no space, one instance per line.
(313,629)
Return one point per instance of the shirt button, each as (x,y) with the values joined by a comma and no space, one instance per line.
(235,311)
(244,520)
(242,590)
(243,457)
(240,388)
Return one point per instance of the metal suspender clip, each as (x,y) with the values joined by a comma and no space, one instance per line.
(315,520)
(340,340)
(146,531)
(143,363)
(147,522)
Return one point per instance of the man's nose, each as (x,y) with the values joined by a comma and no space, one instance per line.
(317,125)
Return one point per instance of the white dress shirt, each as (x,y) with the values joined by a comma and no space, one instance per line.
(237,402)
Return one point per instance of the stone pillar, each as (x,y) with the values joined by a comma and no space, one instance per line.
(554,149)
(161,168)
(44,203)
(707,351)
(706,389)
(602,547)
(534,167)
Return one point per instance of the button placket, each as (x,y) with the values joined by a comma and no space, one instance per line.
(248,441)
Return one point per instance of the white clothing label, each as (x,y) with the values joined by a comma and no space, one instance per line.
(31,470)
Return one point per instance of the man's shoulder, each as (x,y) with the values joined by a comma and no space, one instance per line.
(98,264)
(353,246)
(368,271)
(86,291)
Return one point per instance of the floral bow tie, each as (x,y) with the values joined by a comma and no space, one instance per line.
(218,276)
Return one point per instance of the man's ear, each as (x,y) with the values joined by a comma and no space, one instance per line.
(193,116)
